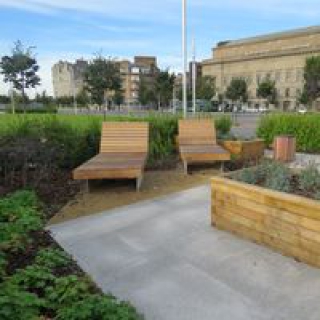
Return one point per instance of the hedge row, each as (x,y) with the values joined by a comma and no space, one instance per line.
(306,128)
(79,136)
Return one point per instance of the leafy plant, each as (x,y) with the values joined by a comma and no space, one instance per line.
(279,178)
(305,128)
(95,307)
(33,277)
(67,290)
(309,178)
(223,125)
(52,258)
(18,220)
(18,304)
(247,175)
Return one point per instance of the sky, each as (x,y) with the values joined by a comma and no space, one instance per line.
(71,29)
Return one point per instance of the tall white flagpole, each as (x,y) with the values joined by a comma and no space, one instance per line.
(194,76)
(184,57)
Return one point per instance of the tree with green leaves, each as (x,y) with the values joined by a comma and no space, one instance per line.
(267,90)
(20,69)
(83,98)
(206,88)
(146,93)
(164,88)
(102,77)
(237,90)
(312,79)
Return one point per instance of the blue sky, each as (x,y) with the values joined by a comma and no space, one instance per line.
(70,29)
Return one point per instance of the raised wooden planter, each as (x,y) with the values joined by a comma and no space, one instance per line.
(245,150)
(287,223)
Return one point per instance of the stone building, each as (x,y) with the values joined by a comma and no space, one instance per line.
(67,78)
(280,57)
(143,68)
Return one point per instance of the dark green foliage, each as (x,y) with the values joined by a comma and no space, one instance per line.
(267,90)
(76,139)
(163,88)
(100,76)
(33,277)
(237,90)
(52,258)
(18,304)
(312,78)
(17,220)
(309,178)
(20,68)
(67,290)
(305,128)
(223,125)
(96,307)
(206,88)
(37,290)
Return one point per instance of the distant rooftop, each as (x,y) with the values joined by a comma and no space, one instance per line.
(271,36)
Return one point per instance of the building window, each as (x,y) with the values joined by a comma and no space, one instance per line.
(287,93)
(278,76)
(299,75)
(288,75)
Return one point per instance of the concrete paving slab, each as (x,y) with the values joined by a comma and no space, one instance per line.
(164,257)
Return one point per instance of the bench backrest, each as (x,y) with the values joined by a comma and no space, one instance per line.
(124,137)
(197,132)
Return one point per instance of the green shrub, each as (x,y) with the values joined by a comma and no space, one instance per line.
(52,258)
(33,277)
(309,178)
(67,290)
(18,304)
(279,178)
(18,217)
(305,128)
(96,307)
(247,175)
(223,125)
(78,137)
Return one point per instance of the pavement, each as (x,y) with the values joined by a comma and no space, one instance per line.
(164,257)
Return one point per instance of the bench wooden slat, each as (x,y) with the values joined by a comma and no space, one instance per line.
(198,142)
(123,153)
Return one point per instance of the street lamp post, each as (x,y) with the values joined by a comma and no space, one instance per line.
(184,57)
(194,78)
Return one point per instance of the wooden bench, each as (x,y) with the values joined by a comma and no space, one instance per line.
(198,143)
(123,153)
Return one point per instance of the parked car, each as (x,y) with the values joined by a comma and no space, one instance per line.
(302,110)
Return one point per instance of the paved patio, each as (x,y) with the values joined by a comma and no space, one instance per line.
(164,257)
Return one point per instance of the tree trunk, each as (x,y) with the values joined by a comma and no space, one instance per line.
(23,100)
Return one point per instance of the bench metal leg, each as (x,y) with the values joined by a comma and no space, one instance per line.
(139,182)
(222,166)
(87,186)
(185,167)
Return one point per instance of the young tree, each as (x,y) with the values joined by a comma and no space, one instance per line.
(164,88)
(312,79)
(83,98)
(267,90)
(20,69)
(146,93)
(206,89)
(101,76)
(237,90)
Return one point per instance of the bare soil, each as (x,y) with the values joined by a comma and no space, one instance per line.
(106,195)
